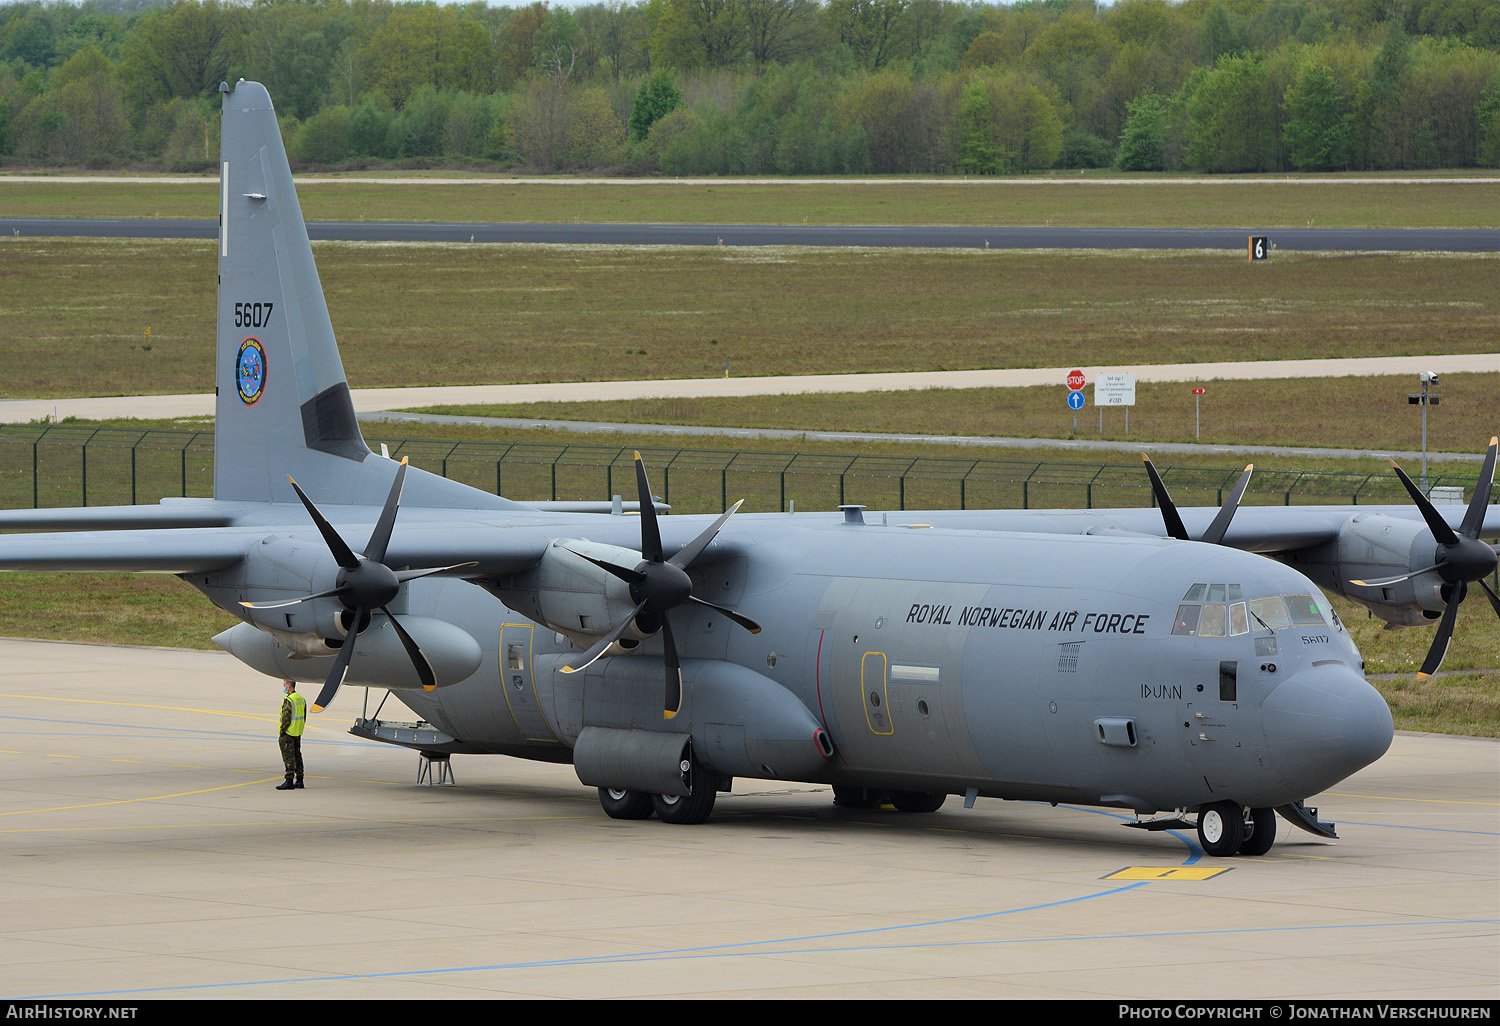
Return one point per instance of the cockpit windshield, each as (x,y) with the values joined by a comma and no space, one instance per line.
(1221,610)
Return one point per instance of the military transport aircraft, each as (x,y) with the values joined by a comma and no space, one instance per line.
(1150,660)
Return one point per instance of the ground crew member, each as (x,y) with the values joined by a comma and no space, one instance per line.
(293,721)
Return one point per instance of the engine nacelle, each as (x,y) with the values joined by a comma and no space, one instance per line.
(380,659)
(574,597)
(1372,546)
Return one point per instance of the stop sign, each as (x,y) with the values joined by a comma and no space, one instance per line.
(1075,380)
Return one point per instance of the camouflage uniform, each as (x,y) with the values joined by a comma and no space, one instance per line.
(290,737)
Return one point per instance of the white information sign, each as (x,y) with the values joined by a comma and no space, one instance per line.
(1114,390)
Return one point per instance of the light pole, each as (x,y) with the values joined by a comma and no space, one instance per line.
(1424,399)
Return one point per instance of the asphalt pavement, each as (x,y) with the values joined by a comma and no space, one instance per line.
(1463,240)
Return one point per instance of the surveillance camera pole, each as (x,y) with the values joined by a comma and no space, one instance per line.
(1424,399)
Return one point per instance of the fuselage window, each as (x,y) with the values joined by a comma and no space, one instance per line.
(1229,674)
(1196,593)
(1216,593)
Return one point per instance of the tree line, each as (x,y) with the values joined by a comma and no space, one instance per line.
(765,86)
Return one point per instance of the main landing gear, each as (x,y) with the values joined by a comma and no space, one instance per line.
(669,808)
(1227,828)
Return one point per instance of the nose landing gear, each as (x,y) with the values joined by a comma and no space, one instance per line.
(1227,828)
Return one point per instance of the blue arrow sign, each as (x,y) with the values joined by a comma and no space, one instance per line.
(1075,401)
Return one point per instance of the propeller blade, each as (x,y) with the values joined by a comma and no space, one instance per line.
(381,536)
(1439,647)
(650,532)
(1169,514)
(341,551)
(1494,599)
(629,576)
(292,602)
(411,575)
(1220,526)
(1393,580)
(672,703)
(1474,515)
(739,618)
(340,665)
(693,549)
(1435,522)
(418,658)
(587,659)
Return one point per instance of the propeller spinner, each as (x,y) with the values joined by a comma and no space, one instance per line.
(1461,558)
(658,585)
(364,584)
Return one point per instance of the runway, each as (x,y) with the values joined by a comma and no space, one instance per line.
(144,854)
(1454,240)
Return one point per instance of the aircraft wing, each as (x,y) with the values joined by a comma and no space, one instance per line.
(171,512)
(169,551)
(1263,529)
(493,550)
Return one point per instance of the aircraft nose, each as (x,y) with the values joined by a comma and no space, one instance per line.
(1323,724)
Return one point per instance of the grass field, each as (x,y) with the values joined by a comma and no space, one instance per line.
(89,317)
(1351,412)
(1055,199)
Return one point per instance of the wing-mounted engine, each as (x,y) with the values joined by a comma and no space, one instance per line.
(570,591)
(1372,547)
(1428,568)
(654,585)
(353,588)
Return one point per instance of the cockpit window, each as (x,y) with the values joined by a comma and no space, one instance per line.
(1304,609)
(1239,621)
(1270,612)
(1205,614)
(1187,620)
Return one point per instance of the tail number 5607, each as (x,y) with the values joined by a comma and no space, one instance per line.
(252,315)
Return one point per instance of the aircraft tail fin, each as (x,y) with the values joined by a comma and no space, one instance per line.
(283,405)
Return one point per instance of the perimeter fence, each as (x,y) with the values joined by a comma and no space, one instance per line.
(68,465)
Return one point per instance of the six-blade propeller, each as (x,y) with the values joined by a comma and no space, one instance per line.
(1460,559)
(364,584)
(658,585)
